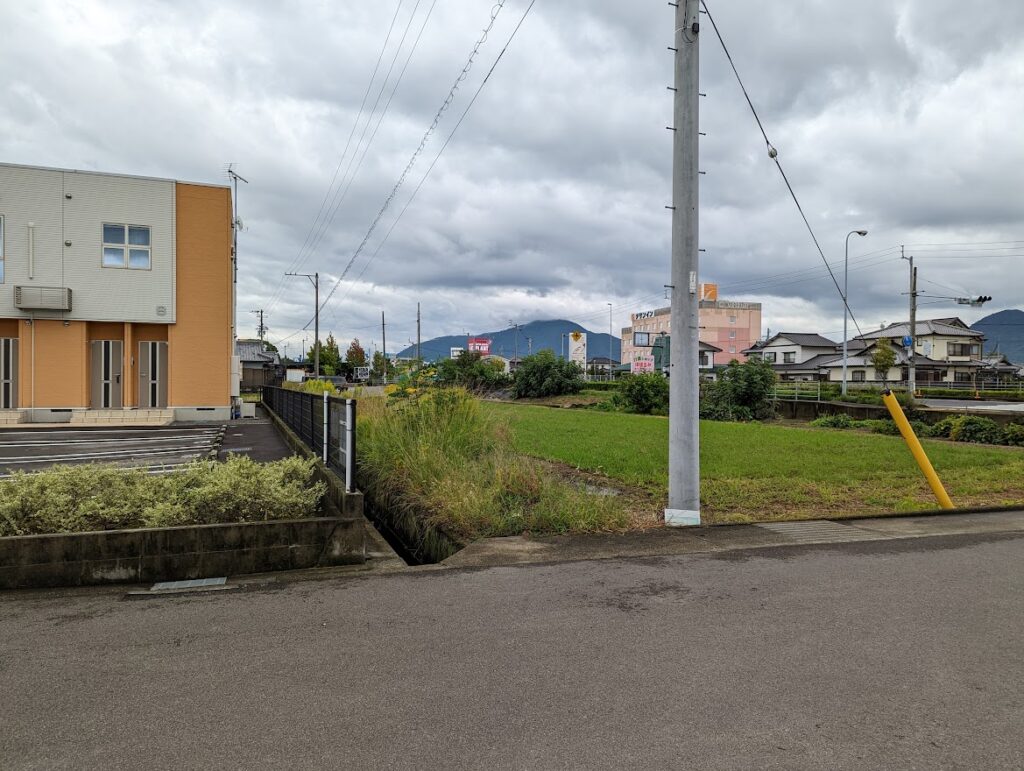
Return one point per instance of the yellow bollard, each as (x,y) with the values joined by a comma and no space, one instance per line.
(916,449)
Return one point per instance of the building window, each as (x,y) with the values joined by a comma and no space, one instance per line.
(732,319)
(857,376)
(789,357)
(732,334)
(769,356)
(962,377)
(732,349)
(964,349)
(1,248)
(641,339)
(126,246)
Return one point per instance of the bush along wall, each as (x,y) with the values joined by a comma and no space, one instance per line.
(961,428)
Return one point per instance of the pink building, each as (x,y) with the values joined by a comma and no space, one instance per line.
(731,326)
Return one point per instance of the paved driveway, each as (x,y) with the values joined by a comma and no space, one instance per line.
(883,654)
(158,449)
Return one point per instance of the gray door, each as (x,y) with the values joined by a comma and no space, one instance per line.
(106,375)
(152,374)
(8,373)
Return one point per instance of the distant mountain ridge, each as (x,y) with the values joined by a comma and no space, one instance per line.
(542,334)
(1004,331)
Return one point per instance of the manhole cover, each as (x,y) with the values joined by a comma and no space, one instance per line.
(819,531)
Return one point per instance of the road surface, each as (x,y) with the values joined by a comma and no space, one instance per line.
(884,654)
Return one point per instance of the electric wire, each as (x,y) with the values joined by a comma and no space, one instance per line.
(297,260)
(495,10)
(773,154)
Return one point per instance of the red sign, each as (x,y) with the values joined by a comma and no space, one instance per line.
(481,345)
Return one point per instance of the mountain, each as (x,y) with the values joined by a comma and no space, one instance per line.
(544,334)
(1004,330)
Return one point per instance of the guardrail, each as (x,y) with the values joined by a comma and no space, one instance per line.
(325,424)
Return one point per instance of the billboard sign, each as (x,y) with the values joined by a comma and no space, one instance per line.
(578,348)
(455,353)
(642,363)
(481,345)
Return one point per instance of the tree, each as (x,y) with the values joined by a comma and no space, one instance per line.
(742,392)
(355,356)
(330,356)
(381,366)
(645,393)
(545,375)
(883,359)
(471,371)
(269,346)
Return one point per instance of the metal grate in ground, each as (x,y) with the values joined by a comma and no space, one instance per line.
(820,531)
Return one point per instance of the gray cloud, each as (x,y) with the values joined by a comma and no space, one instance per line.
(550,200)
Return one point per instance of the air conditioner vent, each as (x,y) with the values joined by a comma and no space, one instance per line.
(47,298)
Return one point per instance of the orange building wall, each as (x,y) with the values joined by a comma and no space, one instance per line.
(61,356)
(199,342)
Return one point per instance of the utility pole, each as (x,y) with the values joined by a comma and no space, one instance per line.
(314,279)
(684,387)
(261,330)
(912,334)
(516,327)
(384,345)
(529,346)
(419,354)
(235,224)
(610,339)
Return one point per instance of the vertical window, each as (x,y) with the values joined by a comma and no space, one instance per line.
(1,248)
(732,319)
(789,357)
(126,246)
(732,334)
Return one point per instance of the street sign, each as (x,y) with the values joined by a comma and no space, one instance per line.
(907,341)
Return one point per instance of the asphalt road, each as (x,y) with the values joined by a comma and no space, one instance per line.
(973,405)
(160,449)
(886,654)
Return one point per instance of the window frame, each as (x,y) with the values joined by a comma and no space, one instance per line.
(646,336)
(769,356)
(126,246)
(789,357)
(858,376)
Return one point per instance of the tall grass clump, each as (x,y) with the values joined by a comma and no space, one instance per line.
(74,499)
(441,460)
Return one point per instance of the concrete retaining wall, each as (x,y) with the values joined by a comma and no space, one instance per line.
(178,553)
(809,410)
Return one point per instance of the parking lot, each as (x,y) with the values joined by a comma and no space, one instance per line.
(157,449)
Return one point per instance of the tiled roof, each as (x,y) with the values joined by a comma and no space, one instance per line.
(933,327)
(252,351)
(809,339)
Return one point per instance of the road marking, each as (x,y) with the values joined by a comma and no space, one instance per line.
(820,531)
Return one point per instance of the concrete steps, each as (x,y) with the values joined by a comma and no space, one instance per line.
(147,417)
(10,417)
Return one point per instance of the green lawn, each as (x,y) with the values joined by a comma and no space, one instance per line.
(755,471)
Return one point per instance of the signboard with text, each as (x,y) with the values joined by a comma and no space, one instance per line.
(578,348)
(642,363)
(481,345)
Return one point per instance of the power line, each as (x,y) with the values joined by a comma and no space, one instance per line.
(296,261)
(419,149)
(773,154)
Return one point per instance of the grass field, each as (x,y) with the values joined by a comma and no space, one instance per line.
(754,471)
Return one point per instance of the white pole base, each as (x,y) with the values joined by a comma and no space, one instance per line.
(681,518)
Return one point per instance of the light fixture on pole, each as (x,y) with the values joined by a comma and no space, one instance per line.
(846,296)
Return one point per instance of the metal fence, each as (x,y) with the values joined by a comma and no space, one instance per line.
(325,424)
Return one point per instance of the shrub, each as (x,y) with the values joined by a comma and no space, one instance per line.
(645,393)
(1013,435)
(313,387)
(943,428)
(71,499)
(471,371)
(742,392)
(972,428)
(543,374)
(842,420)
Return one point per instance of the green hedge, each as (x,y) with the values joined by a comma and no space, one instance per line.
(74,499)
(960,428)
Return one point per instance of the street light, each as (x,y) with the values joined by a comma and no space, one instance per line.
(846,295)
(609,340)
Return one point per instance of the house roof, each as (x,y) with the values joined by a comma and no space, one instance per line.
(251,351)
(813,364)
(948,327)
(808,339)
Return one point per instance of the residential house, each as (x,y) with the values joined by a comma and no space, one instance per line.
(116,293)
(260,367)
(795,355)
(945,351)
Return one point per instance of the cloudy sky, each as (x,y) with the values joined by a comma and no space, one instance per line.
(904,118)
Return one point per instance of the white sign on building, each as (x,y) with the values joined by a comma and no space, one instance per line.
(642,362)
(455,353)
(578,348)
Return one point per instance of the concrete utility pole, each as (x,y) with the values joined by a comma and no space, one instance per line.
(314,279)
(516,355)
(419,356)
(384,345)
(261,330)
(911,369)
(684,386)
(846,302)
(610,339)
(529,346)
